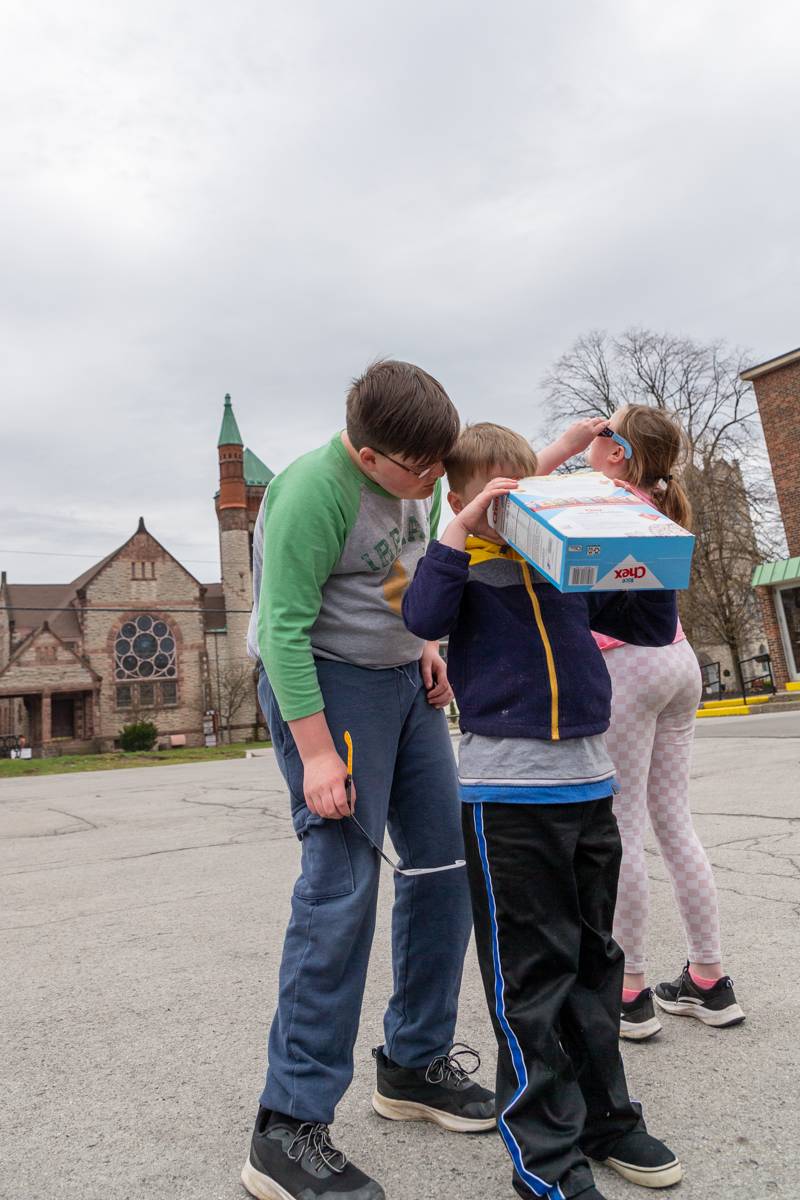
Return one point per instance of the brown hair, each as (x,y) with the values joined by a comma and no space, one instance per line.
(659,446)
(398,408)
(484,446)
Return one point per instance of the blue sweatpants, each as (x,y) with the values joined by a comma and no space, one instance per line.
(405,778)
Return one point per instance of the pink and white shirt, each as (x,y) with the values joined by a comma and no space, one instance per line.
(608,643)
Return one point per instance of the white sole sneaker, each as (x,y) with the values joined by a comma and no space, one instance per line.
(261,1186)
(649,1177)
(409,1110)
(718,1017)
(639,1031)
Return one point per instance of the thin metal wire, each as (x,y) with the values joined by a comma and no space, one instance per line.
(96,557)
(49,608)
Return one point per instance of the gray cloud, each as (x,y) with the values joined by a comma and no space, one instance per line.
(261,198)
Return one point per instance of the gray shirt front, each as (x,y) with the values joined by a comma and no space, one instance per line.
(533,762)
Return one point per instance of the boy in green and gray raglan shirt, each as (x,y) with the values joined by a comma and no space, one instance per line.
(337,541)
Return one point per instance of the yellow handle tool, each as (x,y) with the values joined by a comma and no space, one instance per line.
(348,786)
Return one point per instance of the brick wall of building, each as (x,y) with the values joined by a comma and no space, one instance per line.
(8,709)
(778,395)
(5,633)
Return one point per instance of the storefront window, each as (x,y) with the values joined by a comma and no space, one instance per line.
(789,600)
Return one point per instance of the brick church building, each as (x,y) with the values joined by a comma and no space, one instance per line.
(137,636)
(777,584)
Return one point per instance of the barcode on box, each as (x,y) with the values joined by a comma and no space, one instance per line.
(582,576)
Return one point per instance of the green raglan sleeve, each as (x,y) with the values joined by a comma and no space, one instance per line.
(436,509)
(306,523)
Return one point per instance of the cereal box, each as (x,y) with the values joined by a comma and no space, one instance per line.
(586,534)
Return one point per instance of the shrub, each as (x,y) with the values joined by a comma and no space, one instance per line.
(141,735)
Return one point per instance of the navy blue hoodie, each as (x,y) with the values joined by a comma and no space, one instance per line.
(522,660)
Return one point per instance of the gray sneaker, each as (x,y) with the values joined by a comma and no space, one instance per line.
(713,1006)
(296,1160)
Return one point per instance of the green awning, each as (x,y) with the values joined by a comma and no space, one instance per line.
(782,571)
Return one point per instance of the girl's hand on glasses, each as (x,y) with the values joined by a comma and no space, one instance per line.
(581,434)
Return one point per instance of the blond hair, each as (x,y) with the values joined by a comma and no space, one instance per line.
(485,446)
(659,446)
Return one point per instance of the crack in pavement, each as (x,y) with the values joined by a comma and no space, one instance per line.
(106,912)
(238,808)
(747,816)
(235,839)
(722,887)
(85,826)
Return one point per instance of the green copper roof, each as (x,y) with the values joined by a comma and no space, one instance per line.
(229,431)
(256,473)
(782,571)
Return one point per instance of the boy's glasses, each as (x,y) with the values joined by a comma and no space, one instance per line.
(619,439)
(348,787)
(411,470)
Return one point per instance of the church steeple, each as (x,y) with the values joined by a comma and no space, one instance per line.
(229,430)
(234,541)
(232,488)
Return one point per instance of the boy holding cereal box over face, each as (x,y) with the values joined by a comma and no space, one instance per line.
(542,846)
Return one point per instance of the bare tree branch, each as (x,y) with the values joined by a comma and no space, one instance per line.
(726,474)
(236,684)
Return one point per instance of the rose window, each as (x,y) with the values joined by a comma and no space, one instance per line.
(145,649)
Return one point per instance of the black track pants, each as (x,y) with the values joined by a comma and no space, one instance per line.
(543,881)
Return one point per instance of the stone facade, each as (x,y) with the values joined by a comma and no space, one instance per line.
(138,637)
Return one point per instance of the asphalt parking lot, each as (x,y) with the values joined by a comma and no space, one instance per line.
(142,916)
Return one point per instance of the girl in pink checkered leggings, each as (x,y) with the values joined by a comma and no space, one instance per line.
(656,691)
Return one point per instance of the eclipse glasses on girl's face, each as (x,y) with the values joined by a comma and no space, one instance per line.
(608,432)
(348,786)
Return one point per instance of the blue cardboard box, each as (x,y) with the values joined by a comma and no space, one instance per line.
(585,534)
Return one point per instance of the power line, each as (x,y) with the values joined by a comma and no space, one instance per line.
(96,557)
(129,609)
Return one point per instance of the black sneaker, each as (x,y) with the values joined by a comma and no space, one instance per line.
(442,1093)
(291,1159)
(643,1159)
(713,1006)
(638,1020)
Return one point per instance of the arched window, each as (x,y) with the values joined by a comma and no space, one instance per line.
(145,649)
(145,652)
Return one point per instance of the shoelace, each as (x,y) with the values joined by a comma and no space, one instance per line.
(448,1068)
(316,1139)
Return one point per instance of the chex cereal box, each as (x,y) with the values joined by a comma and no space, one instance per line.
(585,534)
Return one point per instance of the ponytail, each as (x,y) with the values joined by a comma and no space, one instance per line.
(671,499)
(659,445)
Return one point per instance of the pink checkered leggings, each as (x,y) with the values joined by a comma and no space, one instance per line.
(656,693)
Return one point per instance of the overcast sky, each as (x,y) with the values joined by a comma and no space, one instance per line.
(261,197)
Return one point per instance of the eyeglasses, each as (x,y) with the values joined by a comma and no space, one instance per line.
(619,439)
(398,870)
(411,470)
